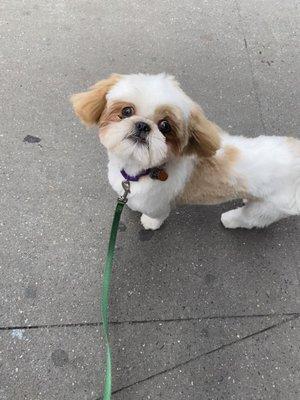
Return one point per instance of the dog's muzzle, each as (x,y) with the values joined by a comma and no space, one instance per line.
(141,131)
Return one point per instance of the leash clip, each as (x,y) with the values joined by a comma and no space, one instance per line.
(126,187)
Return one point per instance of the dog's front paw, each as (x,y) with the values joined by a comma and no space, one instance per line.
(230,219)
(151,223)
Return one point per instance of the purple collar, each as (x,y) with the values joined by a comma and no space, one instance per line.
(135,178)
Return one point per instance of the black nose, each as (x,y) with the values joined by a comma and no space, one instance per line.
(142,127)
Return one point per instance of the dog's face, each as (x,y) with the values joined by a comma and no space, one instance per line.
(147,119)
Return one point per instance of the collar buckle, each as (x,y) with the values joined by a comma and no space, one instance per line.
(157,173)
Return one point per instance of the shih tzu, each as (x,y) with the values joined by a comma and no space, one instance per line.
(160,141)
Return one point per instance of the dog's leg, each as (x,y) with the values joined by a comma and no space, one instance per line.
(254,214)
(154,223)
(151,223)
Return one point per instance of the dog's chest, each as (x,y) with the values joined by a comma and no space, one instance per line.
(146,195)
(152,196)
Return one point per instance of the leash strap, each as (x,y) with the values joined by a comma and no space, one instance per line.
(106,288)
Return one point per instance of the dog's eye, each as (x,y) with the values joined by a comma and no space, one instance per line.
(127,112)
(164,126)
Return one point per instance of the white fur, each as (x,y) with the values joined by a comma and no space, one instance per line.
(149,196)
(271,169)
(148,92)
(269,166)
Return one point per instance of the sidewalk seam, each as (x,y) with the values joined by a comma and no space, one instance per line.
(149,321)
(206,354)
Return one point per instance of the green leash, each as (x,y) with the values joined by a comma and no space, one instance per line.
(106,287)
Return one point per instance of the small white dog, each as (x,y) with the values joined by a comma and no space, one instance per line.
(159,139)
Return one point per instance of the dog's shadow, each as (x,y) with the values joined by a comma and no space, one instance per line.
(193,266)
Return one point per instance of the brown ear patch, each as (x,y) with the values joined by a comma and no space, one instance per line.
(113,112)
(204,137)
(89,105)
(172,114)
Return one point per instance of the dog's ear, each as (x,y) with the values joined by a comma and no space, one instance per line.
(204,138)
(89,105)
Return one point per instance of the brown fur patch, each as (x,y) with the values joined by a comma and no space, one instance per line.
(89,105)
(204,136)
(176,138)
(113,112)
(212,180)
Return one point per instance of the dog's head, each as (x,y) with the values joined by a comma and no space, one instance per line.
(147,119)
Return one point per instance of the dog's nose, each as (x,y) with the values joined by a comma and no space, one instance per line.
(142,128)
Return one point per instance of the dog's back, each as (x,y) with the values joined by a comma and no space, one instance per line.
(271,167)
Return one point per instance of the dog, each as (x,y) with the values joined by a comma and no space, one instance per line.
(159,140)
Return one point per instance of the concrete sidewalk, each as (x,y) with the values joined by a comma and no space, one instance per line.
(198,312)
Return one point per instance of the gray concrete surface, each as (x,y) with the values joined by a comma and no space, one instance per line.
(198,312)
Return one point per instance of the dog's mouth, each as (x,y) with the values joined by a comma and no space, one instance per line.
(137,139)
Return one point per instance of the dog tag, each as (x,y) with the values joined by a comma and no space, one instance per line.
(159,174)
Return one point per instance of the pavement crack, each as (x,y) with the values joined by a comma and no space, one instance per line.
(212,317)
(184,363)
(49,326)
(254,83)
(147,321)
